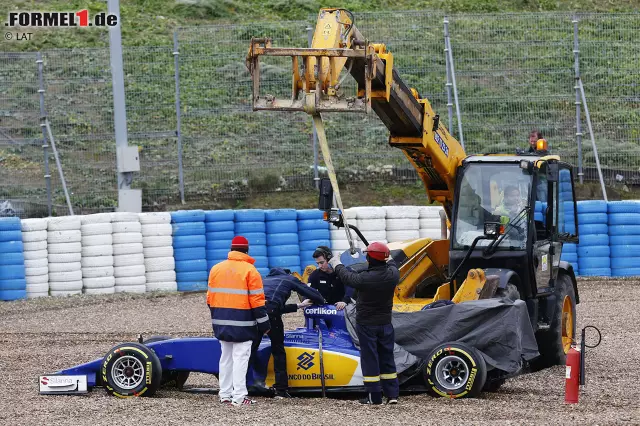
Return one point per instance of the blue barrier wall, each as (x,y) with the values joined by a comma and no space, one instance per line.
(609,241)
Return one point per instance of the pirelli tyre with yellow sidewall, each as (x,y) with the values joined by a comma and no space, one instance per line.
(455,370)
(131,369)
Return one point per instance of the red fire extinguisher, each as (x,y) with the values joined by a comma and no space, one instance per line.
(572,388)
(575,368)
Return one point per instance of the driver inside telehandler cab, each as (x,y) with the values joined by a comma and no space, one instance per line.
(490,193)
(512,203)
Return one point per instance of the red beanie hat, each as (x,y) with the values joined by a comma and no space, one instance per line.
(239,242)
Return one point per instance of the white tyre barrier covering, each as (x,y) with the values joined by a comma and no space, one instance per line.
(162,286)
(396,236)
(98,282)
(130,260)
(64,267)
(127,238)
(35,245)
(29,225)
(64,277)
(370,213)
(157,264)
(129,271)
(98,272)
(131,289)
(64,254)
(56,237)
(402,224)
(38,290)
(434,234)
(371,225)
(38,279)
(96,229)
(96,261)
(35,254)
(128,257)
(125,249)
(42,262)
(117,217)
(97,254)
(99,291)
(402,212)
(131,281)
(31,236)
(62,293)
(126,227)
(95,218)
(163,241)
(36,262)
(162,276)
(157,230)
(153,252)
(65,257)
(90,251)
(64,223)
(97,240)
(154,218)
(157,250)
(42,270)
(64,248)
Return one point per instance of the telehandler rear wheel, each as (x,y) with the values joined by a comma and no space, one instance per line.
(554,343)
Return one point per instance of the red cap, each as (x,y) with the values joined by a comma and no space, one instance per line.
(239,242)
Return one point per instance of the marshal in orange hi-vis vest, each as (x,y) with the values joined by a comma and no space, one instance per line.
(236,297)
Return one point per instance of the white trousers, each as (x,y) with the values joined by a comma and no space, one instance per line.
(234,362)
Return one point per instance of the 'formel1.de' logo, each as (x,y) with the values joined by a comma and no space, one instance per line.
(305,360)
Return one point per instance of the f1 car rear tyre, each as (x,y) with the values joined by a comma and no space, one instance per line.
(131,369)
(554,343)
(455,370)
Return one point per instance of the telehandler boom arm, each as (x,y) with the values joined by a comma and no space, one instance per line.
(413,125)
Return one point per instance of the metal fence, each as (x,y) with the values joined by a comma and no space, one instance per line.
(514,73)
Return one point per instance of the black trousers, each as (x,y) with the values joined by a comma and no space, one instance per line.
(276,334)
(376,359)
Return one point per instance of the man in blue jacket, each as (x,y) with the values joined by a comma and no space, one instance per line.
(278,286)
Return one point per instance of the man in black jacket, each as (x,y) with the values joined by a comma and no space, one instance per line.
(326,281)
(278,286)
(375,288)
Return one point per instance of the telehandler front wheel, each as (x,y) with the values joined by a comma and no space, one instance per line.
(554,343)
(455,370)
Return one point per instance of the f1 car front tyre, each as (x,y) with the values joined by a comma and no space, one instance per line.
(131,369)
(455,370)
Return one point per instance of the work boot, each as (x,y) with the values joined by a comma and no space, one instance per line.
(373,398)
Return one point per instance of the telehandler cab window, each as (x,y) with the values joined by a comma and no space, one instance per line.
(492,192)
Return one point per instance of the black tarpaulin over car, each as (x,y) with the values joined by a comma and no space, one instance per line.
(498,328)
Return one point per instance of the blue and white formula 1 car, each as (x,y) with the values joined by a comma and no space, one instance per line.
(321,357)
